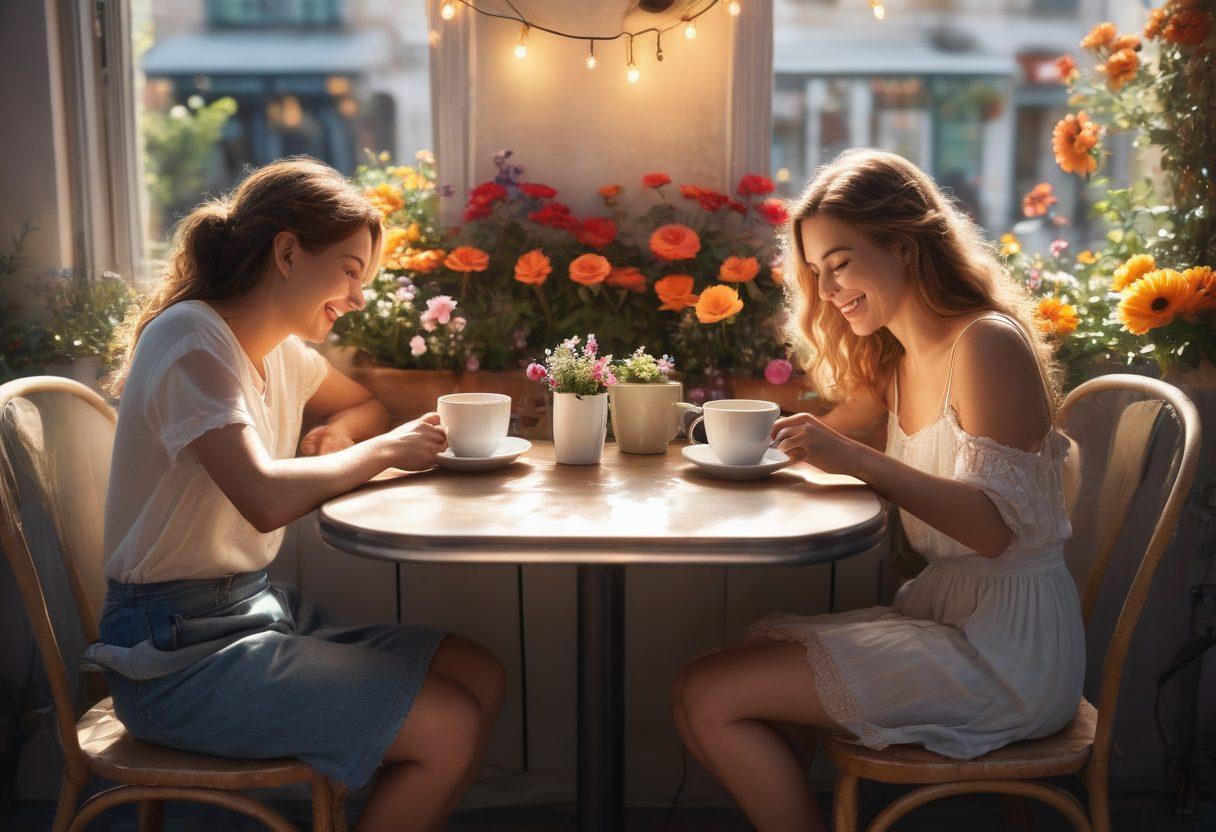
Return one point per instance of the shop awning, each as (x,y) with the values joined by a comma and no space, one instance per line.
(870,57)
(268,53)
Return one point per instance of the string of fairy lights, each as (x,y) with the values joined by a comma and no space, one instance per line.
(688,21)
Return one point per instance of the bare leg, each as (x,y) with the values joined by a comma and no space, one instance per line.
(479,670)
(427,760)
(730,700)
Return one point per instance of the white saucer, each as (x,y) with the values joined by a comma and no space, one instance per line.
(704,458)
(505,454)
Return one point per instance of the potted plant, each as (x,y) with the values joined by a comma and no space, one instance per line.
(579,380)
(642,403)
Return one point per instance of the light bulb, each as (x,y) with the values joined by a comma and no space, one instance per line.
(632,73)
(591,62)
(733,7)
(690,31)
(520,49)
(448,11)
(879,11)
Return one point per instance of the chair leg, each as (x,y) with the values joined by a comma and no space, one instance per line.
(151,815)
(1097,783)
(69,799)
(322,806)
(340,795)
(844,804)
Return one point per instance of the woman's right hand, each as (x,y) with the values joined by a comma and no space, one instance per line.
(414,445)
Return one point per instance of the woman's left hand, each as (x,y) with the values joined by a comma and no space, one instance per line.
(325,439)
(803,438)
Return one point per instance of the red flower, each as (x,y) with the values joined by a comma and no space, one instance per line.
(690,191)
(755,185)
(555,215)
(712,200)
(737,206)
(596,232)
(773,211)
(482,199)
(537,190)
(656,180)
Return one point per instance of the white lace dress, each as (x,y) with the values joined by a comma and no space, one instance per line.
(975,652)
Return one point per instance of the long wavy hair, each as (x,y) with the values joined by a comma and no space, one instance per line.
(222,248)
(954,271)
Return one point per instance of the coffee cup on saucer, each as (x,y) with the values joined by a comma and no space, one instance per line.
(739,431)
(476,423)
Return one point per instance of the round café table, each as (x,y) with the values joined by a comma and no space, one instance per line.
(629,510)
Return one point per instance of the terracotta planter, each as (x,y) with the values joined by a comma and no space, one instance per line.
(409,393)
(789,396)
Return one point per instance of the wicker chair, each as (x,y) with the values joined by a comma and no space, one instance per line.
(55,442)
(1083,747)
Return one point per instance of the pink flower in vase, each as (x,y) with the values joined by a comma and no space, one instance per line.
(778,371)
(592,346)
(536,372)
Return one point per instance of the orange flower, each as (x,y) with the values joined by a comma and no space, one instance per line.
(1126,42)
(1120,68)
(589,269)
(717,303)
(1135,268)
(467,259)
(627,277)
(738,270)
(675,291)
(1067,67)
(1087,257)
(533,268)
(1055,317)
(386,198)
(1074,141)
(1100,36)
(394,242)
(610,192)
(1202,283)
(1156,22)
(778,274)
(1188,28)
(1040,198)
(1153,301)
(674,242)
(425,261)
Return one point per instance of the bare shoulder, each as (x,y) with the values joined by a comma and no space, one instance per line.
(997,389)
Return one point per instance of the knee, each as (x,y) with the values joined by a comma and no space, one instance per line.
(698,698)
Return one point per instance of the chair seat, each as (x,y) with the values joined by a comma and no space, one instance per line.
(113,753)
(1064,752)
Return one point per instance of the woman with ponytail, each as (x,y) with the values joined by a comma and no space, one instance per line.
(201,651)
(944,391)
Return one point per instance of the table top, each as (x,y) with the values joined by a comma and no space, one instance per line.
(630,509)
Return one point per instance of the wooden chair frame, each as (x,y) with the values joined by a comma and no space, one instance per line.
(1084,746)
(97,745)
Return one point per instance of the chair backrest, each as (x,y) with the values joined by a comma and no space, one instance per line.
(1123,474)
(56,437)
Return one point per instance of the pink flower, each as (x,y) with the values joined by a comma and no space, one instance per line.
(417,345)
(440,309)
(458,324)
(472,365)
(1058,247)
(778,371)
(428,323)
(536,372)
(592,346)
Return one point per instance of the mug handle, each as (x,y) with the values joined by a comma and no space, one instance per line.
(685,410)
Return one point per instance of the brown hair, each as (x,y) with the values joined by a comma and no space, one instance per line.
(954,271)
(223,246)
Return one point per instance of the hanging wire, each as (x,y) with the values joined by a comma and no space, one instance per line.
(518,16)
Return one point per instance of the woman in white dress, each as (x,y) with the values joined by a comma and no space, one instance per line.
(944,392)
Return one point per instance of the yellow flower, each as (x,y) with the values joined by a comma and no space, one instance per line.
(1010,245)
(1087,257)
(1054,316)
(1201,282)
(1135,268)
(413,234)
(391,251)
(717,303)
(425,156)
(425,261)
(1153,301)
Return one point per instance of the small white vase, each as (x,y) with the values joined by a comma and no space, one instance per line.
(579,426)
(644,417)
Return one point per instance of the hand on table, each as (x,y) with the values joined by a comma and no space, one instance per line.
(803,438)
(324,439)
(414,445)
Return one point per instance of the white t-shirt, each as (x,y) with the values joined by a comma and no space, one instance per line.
(166,519)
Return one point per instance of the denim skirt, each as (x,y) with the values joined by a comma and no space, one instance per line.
(264,676)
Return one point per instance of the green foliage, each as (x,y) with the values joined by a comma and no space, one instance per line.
(643,368)
(86,311)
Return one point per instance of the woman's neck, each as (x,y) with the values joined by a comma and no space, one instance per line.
(255,321)
(922,334)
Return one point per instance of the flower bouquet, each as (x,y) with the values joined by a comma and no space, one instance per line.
(579,380)
(643,403)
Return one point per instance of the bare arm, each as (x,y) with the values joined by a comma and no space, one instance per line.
(347,414)
(861,417)
(991,350)
(271,493)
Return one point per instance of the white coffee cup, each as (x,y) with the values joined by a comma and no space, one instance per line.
(739,430)
(476,422)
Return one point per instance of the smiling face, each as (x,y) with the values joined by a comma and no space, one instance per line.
(865,281)
(322,287)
